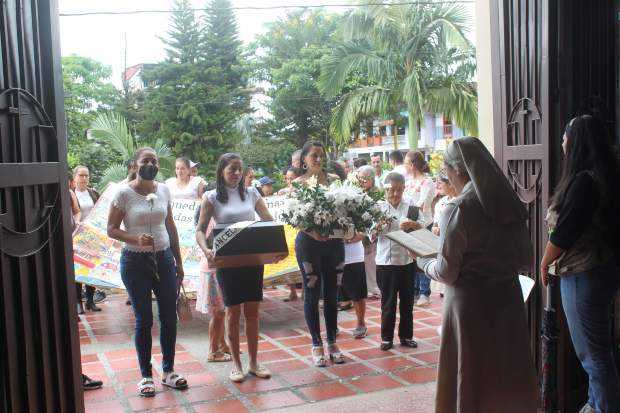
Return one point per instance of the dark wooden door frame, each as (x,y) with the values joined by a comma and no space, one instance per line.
(39,343)
(522,59)
(570,72)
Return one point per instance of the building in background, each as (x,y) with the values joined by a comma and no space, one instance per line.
(132,77)
(433,135)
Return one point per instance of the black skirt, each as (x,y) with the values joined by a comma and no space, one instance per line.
(241,285)
(354,281)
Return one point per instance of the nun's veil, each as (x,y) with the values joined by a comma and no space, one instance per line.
(499,200)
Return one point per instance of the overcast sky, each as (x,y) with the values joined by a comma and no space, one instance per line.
(103,37)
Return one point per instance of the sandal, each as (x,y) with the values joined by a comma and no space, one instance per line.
(260,372)
(236,376)
(360,332)
(146,387)
(318,356)
(174,381)
(335,355)
(219,357)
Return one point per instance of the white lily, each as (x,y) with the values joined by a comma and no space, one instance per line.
(151,198)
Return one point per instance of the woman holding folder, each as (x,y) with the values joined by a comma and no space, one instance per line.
(484,361)
(229,203)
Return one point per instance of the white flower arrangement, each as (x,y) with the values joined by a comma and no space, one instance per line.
(337,211)
(151,198)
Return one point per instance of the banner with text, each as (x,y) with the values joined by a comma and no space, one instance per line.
(97,257)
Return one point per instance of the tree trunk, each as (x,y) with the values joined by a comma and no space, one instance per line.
(414,133)
(395,133)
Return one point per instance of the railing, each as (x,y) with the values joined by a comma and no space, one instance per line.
(402,141)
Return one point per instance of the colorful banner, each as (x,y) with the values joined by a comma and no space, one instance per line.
(97,257)
(287,270)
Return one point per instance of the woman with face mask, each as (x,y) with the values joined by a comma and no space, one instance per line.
(150,262)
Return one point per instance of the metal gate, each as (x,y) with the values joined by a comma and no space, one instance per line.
(39,345)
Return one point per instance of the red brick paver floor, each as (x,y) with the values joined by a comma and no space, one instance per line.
(108,354)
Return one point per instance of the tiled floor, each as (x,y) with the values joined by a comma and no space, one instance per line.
(108,354)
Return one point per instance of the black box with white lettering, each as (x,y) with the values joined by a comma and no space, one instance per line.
(247,244)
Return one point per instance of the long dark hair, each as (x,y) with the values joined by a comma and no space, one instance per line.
(306,149)
(336,169)
(589,148)
(220,186)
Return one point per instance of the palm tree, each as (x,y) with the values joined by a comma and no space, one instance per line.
(414,58)
(111,129)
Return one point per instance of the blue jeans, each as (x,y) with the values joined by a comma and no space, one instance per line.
(421,284)
(139,279)
(587,299)
(321,265)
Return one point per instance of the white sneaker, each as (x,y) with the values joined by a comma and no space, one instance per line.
(423,301)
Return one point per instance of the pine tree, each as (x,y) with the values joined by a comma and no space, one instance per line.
(220,41)
(201,90)
(183,39)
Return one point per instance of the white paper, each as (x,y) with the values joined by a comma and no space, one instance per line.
(422,242)
(527,285)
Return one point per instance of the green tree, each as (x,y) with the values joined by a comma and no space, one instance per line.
(88,92)
(288,57)
(221,44)
(195,103)
(111,129)
(183,40)
(415,58)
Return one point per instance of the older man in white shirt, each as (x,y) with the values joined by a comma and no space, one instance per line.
(395,266)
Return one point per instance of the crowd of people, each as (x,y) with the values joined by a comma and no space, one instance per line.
(485,362)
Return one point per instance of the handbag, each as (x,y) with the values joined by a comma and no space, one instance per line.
(184,308)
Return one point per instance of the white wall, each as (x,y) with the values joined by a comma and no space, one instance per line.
(486,129)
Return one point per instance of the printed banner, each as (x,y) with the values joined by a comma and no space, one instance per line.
(97,257)
(287,270)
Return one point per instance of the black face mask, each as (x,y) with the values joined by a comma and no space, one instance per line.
(148,172)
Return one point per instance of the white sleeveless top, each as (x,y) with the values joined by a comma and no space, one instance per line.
(143,218)
(353,252)
(235,210)
(190,191)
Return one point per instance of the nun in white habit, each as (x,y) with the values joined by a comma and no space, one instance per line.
(484,364)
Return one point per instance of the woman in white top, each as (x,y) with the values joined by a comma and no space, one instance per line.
(229,203)
(420,189)
(185,186)
(445,192)
(366,175)
(150,261)
(86,198)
